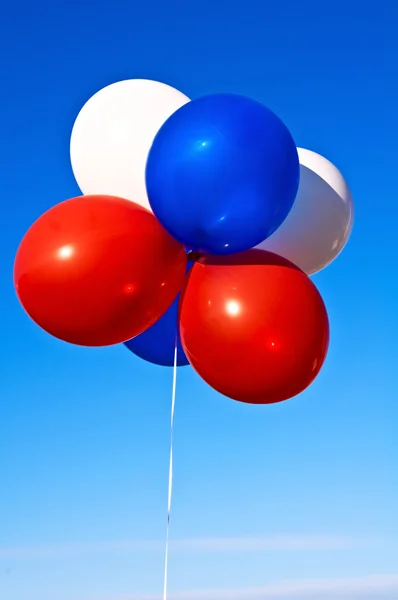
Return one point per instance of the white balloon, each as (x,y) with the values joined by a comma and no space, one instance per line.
(113,133)
(320,222)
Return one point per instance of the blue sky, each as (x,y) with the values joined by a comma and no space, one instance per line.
(291,501)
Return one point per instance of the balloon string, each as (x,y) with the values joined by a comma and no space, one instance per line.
(173,400)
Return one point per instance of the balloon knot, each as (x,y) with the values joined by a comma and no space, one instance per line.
(194,256)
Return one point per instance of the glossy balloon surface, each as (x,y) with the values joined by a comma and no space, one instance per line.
(113,133)
(157,344)
(222,174)
(97,270)
(321,220)
(253,326)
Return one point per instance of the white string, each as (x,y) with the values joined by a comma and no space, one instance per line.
(173,400)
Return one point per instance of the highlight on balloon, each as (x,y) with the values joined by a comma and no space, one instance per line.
(193,242)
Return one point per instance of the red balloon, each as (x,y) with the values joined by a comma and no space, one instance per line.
(253,326)
(97,270)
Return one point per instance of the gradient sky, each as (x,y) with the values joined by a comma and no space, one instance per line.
(293,501)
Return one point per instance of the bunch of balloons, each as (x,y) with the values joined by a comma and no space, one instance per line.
(198,228)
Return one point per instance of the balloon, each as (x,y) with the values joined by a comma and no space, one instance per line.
(222,174)
(97,270)
(253,326)
(157,344)
(320,222)
(113,133)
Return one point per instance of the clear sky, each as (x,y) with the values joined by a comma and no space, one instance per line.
(293,501)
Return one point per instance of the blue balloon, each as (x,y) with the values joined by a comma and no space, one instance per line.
(157,344)
(222,174)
